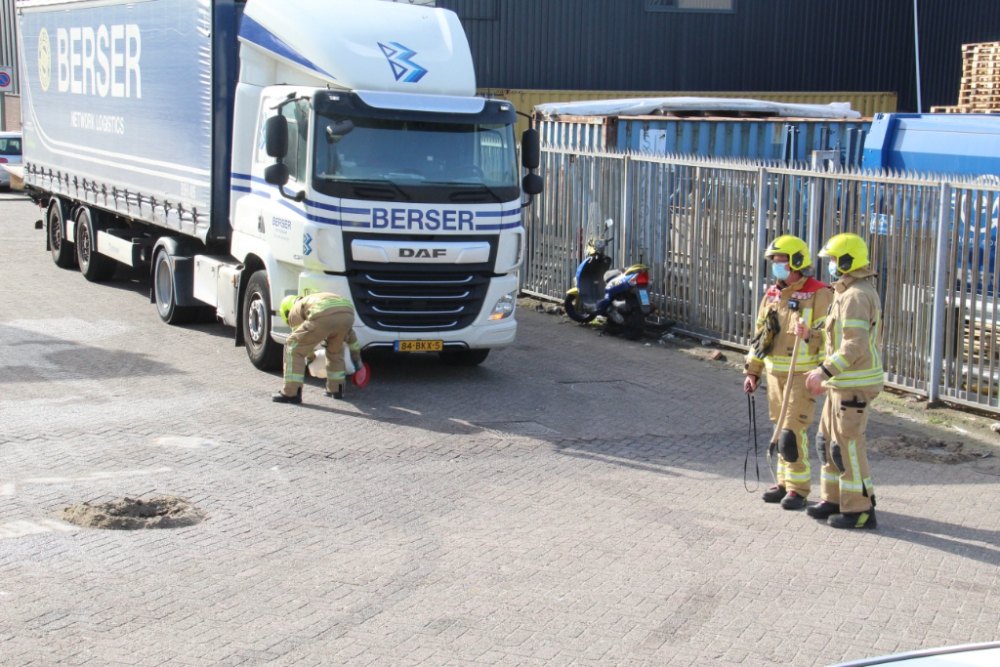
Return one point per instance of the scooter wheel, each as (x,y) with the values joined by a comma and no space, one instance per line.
(635,322)
(570,306)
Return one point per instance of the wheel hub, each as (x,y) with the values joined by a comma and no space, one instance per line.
(163,285)
(256,322)
(55,234)
(84,243)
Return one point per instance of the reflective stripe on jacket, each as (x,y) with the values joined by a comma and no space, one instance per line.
(854,333)
(813,299)
(314,304)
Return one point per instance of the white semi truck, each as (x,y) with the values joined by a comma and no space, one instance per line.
(247,151)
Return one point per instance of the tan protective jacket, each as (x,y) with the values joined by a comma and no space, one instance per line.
(854,334)
(813,299)
(325,302)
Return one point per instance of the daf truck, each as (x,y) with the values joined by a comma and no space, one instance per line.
(245,151)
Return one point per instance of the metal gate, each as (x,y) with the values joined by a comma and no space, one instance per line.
(702,225)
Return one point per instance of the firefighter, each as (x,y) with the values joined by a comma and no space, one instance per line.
(795,297)
(853,374)
(316,318)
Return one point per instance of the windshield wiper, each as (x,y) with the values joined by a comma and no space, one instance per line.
(484,187)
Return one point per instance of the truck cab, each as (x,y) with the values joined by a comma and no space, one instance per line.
(369,168)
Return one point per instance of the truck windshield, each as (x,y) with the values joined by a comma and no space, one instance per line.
(415,160)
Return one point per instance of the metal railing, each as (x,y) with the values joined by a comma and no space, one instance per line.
(702,224)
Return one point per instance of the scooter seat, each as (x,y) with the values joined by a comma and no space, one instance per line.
(611,275)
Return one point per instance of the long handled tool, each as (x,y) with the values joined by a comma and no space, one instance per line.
(784,408)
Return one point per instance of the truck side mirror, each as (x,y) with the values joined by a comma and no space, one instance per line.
(276,137)
(531,153)
(532,184)
(277,174)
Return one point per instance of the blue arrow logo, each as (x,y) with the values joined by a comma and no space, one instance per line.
(399,60)
(307,244)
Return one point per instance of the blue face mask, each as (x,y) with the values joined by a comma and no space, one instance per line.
(780,271)
(832,268)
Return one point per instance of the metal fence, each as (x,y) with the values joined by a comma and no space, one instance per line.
(702,225)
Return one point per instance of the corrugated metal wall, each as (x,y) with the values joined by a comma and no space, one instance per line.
(8,40)
(766,45)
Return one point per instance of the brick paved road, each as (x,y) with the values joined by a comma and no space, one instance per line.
(519,513)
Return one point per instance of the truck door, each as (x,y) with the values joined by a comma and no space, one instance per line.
(282,221)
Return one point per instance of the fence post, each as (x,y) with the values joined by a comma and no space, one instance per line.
(812,225)
(758,261)
(940,285)
(626,191)
(694,252)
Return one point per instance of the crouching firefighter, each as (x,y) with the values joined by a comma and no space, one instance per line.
(795,297)
(316,318)
(852,372)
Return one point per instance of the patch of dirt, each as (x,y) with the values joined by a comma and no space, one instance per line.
(928,450)
(135,514)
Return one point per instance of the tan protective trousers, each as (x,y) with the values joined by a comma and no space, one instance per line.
(841,443)
(331,326)
(794,472)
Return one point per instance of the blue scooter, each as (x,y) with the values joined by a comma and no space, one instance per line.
(620,296)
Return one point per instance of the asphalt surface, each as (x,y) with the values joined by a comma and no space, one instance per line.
(575,500)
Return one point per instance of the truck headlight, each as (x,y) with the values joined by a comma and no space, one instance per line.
(504,307)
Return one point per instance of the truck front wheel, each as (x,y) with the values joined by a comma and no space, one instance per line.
(264,353)
(61,249)
(163,292)
(94,266)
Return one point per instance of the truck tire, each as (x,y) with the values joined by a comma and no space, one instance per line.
(463,357)
(264,353)
(163,292)
(94,266)
(62,250)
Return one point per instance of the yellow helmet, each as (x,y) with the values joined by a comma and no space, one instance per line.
(794,247)
(286,306)
(850,251)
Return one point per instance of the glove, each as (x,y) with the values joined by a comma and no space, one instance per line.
(357,365)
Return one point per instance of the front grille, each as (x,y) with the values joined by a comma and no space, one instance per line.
(416,301)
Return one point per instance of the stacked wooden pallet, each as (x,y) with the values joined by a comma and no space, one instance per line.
(980,88)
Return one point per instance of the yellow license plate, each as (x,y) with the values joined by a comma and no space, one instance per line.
(419,345)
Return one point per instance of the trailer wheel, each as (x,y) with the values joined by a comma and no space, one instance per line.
(264,353)
(163,292)
(94,266)
(61,249)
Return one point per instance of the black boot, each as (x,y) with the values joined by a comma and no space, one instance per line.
(774,494)
(853,520)
(339,394)
(823,510)
(281,398)
(793,501)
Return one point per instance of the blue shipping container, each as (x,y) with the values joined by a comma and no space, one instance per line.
(763,138)
(941,143)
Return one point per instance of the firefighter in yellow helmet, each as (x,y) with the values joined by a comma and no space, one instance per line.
(315,318)
(795,297)
(853,374)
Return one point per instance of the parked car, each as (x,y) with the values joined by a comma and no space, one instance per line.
(10,153)
(969,655)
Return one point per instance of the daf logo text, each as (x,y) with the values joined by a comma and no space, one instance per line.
(420,253)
